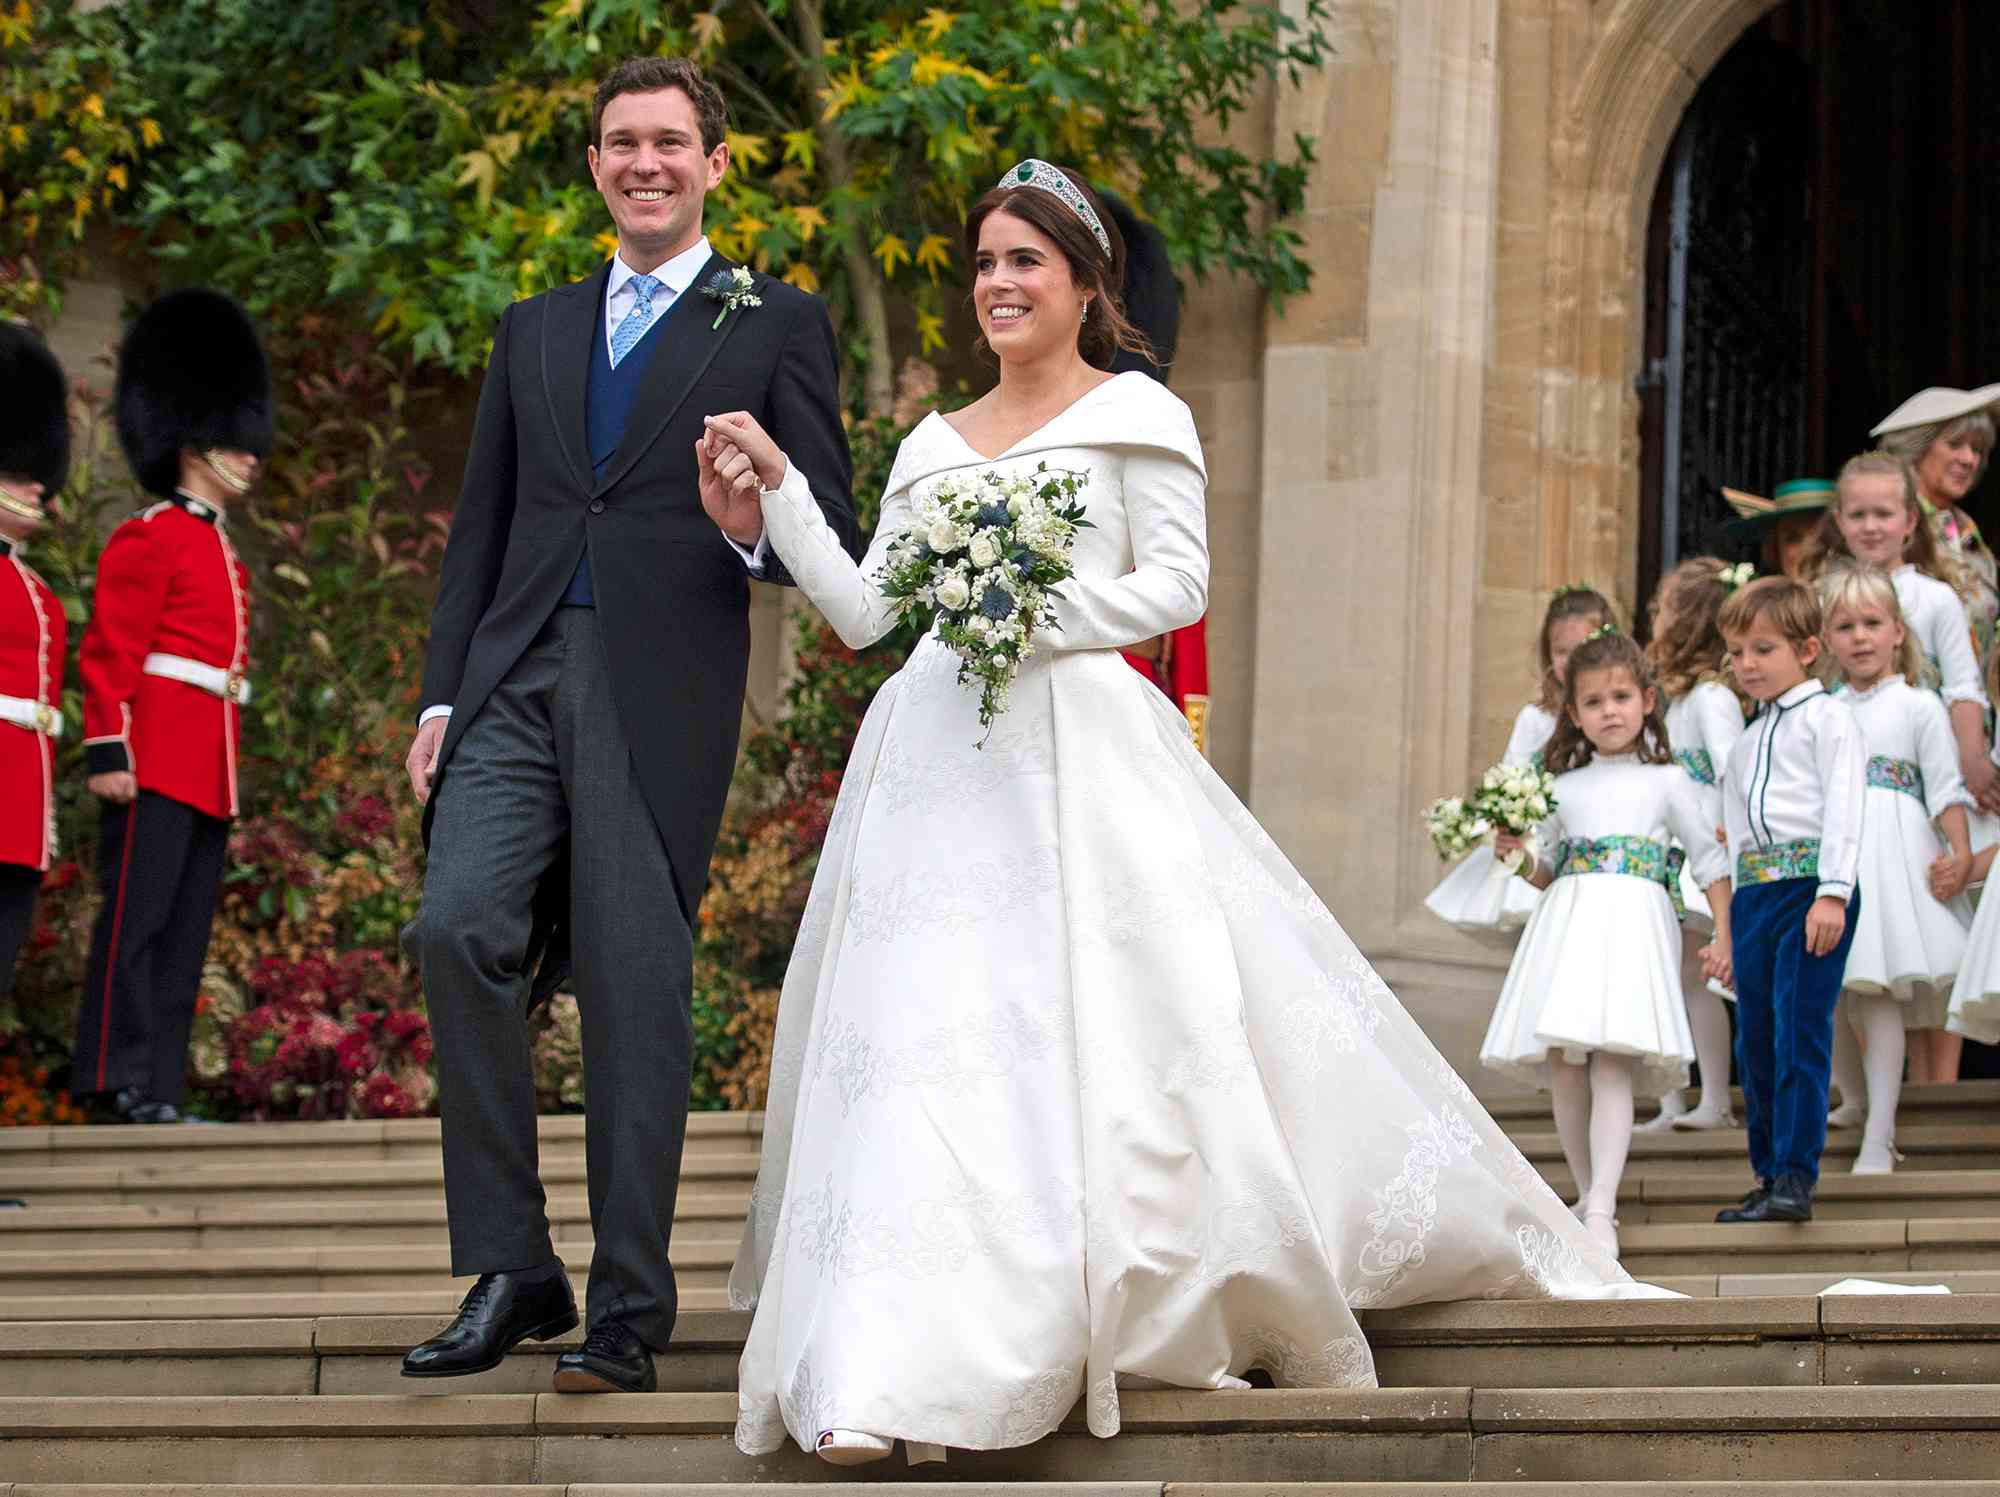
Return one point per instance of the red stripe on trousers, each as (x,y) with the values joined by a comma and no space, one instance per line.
(111,947)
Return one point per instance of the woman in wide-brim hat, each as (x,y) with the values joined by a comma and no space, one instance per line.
(1781,527)
(1946,436)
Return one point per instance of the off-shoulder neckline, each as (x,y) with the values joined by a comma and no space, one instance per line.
(1026,438)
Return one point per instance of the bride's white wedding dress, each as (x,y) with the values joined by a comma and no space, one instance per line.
(1077,1084)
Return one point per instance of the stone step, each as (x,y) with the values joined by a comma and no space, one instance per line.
(1792,1341)
(188,1145)
(1975,1102)
(704,1211)
(285,1304)
(702,1261)
(831,1486)
(1443,1434)
(278,1180)
(1942,1146)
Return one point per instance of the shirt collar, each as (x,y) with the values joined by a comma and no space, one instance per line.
(1806,688)
(1894,678)
(201,509)
(676,275)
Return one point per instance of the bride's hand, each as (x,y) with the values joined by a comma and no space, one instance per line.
(728,486)
(741,429)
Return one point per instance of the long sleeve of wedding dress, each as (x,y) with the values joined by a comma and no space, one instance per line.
(842,589)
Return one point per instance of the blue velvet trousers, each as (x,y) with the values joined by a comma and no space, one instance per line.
(1785,998)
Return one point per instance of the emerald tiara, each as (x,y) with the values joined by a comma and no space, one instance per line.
(1036,173)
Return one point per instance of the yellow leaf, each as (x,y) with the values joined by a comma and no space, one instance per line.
(389,317)
(75,158)
(605,243)
(552,225)
(845,90)
(892,251)
(117,177)
(150,132)
(930,328)
(883,54)
(18,136)
(800,274)
(751,150)
(94,106)
(937,22)
(801,146)
(933,67)
(808,220)
(749,225)
(934,254)
(707,31)
(478,169)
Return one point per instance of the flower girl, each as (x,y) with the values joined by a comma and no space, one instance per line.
(1878,521)
(1908,944)
(1975,995)
(1704,720)
(1480,896)
(1592,1006)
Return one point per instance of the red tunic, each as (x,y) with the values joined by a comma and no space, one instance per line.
(33,633)
(1182,673)
(168,583)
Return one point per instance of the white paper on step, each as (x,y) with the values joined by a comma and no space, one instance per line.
(1872,1286)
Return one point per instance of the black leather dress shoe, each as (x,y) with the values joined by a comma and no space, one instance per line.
(497,1314)
(1752,1202)
(612,1359)
(153,1112)
(1790,1200)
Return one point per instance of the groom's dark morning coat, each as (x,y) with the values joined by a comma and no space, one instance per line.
(672,597)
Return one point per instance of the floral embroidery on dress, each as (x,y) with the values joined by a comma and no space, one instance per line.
(953,900)
(1341,1013)
(924,782)
(1214,1057)
(1406,1209)
(955,1060)
(1245,1234)
(943,1235)
(1102,1411)
(1344,1362)
(1699,764)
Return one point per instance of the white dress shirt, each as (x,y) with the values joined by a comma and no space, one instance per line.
(676,277)
(1798,774)
(1943,631)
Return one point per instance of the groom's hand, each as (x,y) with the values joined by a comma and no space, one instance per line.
(731,501)
(423,759)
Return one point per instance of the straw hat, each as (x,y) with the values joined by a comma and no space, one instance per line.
(1796,496)
(1938,404)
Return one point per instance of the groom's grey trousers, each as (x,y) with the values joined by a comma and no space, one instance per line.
(546,757)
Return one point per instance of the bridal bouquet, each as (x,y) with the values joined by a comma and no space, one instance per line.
(984,553)
(1511,798)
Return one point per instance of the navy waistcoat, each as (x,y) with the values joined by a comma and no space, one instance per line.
(608,401)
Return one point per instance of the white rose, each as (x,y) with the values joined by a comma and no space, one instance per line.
(944,536)
(999,662)
(953,593)
(984,552)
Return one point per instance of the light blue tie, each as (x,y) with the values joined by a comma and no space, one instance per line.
(627,334)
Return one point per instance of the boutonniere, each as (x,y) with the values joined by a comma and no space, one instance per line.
(733,288)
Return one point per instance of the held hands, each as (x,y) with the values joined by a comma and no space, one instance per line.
(1826,922)
(423,758)
(1718,963)
(735,459)
(120,787)
(1949,875)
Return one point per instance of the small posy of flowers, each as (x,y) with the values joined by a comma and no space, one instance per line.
(985,553)
(1736,576)
(733,288)
(1512,798)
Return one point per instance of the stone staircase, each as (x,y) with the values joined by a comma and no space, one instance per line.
(221,1310)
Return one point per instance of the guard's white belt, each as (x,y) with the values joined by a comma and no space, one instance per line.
(36,717)
(212,679)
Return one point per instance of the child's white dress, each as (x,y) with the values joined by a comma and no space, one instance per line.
(1479,895)
(1702,727)
(1599,966)
(1975,996)
(1937,620)
(1906,944)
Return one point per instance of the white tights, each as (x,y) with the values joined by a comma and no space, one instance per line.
(1708,1021)
(1593,1107)
(1868,1046)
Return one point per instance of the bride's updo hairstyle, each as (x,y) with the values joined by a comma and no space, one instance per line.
(1106,330)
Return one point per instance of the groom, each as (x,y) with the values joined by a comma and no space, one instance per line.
(584,687)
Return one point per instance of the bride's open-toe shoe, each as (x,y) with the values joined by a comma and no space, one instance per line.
(848,1447)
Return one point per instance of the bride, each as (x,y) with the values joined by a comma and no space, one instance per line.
(1077,1085)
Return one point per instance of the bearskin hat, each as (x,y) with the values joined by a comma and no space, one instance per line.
(1151,294)
(191,375)
(34,420)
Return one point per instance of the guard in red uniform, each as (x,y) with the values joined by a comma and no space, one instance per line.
(163,665)
(1177,663)
(34,465)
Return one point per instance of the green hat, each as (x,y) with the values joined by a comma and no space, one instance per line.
(1755,515)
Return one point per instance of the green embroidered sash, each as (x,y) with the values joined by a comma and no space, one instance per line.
(1779,861)
(1885,773)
